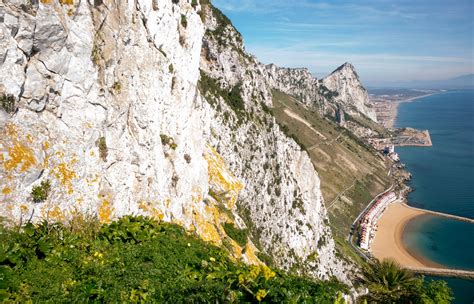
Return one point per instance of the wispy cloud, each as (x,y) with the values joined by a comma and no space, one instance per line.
(384,38)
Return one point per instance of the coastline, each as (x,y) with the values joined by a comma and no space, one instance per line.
(388,241)
(394,108)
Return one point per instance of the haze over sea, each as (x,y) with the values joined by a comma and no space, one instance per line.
(443,177)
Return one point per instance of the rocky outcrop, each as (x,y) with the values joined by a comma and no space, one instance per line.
(341,90)
(349,91)
(109,111)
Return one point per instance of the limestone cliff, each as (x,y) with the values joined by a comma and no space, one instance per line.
(350,92)
(155,108)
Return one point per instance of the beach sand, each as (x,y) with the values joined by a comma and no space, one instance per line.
(388,241)
(394,109)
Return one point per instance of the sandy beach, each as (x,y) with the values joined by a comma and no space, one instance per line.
(388,239)
(394,108)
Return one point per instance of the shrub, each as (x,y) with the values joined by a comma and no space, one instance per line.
(7,102)
(187,158)
(95,55)
(117,86)
(168,141)
(184,21)
(103,150)
(40,193)
(238,235)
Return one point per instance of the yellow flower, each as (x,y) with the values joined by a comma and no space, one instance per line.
(212,259)
(98,255)
(267,273)
(254,272)
(261,294)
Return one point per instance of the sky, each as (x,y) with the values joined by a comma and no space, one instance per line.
(388,42)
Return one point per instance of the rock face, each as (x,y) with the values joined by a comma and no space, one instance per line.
(351,94)
(140,107)
(341,90)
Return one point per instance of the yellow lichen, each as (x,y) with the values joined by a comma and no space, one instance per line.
(105,212)
(221,178)
(19,154)
(55,214)
(11,131)
(23,208)
(64,174)
(206,230)
(151,210)
(29,138)
(6,190)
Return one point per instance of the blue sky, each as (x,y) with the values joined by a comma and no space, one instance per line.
(387,41)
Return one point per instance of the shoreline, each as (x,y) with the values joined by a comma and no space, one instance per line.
(388,241)
(394,108)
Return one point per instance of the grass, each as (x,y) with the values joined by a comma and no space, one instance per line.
(238,235)
(138,260)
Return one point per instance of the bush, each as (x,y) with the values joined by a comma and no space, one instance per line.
(168,141)
(7,102)
(40,193)
(137,259)
(103,150)
(184,21)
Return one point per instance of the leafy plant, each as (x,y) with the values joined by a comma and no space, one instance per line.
(389,283)
(40,193)
(138,259)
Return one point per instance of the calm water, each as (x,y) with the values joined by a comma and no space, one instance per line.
(443,179)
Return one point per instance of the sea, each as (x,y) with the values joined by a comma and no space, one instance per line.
(443,180)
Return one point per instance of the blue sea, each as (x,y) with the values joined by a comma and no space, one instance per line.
(443,180)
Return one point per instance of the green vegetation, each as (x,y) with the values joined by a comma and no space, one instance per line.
(238,235)
(103,150)
(184,21)
(117,87)
(211,88)
(388,283)
(95,55)
(40,193)
(7,102)
(168,141)
(138,260)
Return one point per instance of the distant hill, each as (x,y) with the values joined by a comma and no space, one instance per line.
(460,82)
